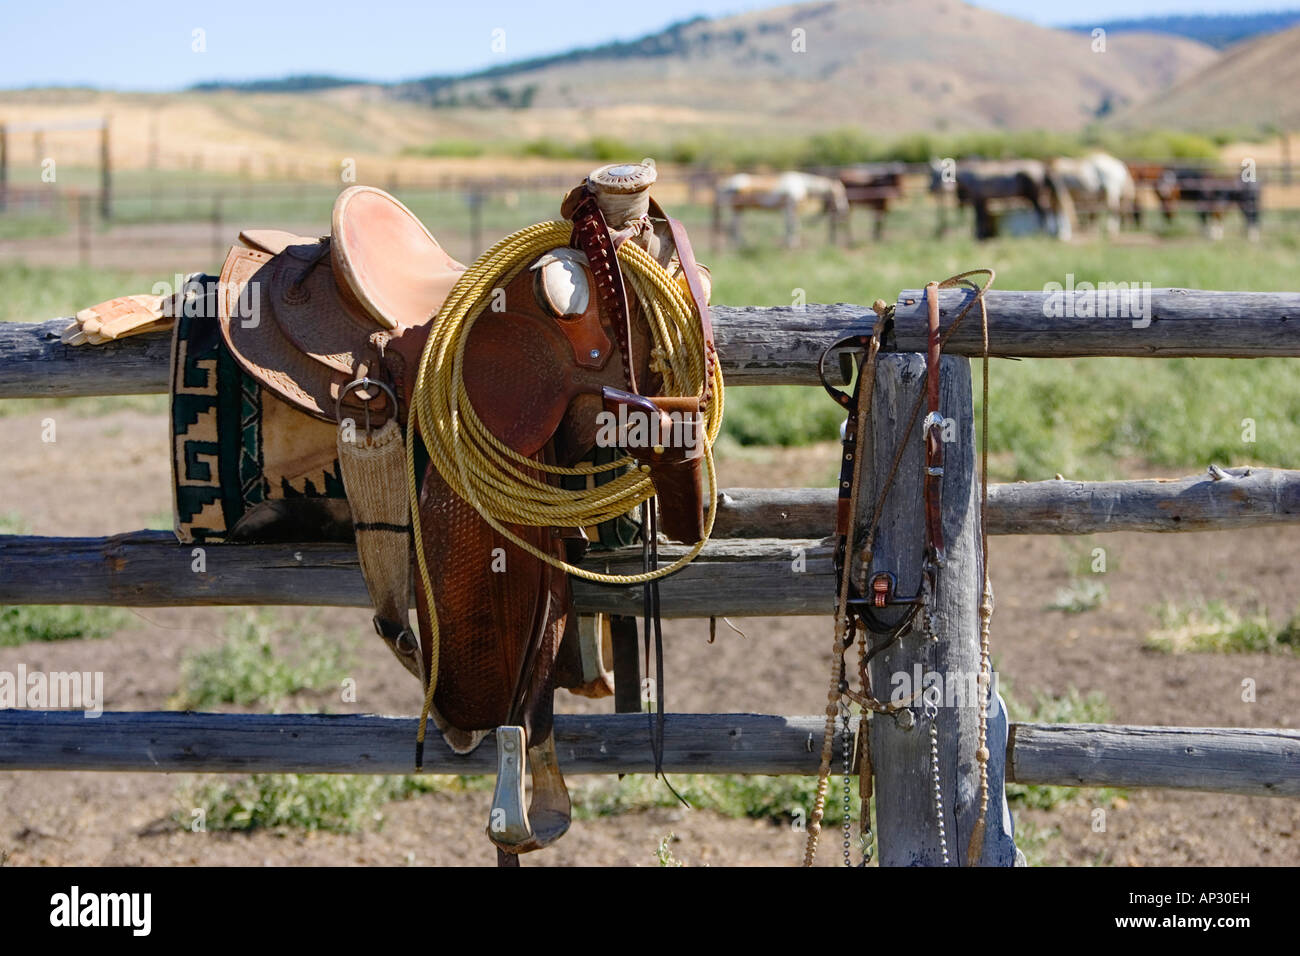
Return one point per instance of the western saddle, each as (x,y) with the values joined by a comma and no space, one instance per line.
(336,328)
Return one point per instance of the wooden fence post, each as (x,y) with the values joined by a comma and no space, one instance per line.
(475,198)
(105,174)
(4,167)
(83,228)
(218,228)
(907,822)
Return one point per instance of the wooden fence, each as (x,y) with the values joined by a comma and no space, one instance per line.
(759,532)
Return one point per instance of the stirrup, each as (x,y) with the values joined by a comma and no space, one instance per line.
(508,825)
(517,826)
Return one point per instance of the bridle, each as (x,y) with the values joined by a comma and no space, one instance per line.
(882,590)
(859,614)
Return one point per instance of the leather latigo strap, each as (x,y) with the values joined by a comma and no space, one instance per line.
(691,270)
(932,430)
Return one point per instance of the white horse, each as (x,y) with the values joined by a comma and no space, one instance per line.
(1097,180)
(791,192)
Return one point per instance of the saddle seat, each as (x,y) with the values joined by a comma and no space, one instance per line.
(306,317)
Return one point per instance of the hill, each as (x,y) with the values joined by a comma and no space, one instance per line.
(1217,30)
(902,64)
(288,84)
(1254,86)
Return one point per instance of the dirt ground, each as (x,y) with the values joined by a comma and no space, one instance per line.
(112,476)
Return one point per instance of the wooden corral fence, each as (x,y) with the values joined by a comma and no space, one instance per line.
(770,546)
(8,131)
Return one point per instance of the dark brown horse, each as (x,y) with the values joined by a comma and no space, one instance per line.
(874,186)
(986,184)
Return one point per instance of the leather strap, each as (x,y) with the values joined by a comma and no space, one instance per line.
(591,236)
(849,444)
(691,269)
(932,431)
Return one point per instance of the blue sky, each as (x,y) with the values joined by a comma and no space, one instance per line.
(149,44)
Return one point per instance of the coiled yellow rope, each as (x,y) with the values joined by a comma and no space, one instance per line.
(499,482)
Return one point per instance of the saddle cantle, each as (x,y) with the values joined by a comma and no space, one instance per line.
(387,263)
(291,408)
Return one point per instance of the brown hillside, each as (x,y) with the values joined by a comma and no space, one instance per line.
(1256,83)
(905,64)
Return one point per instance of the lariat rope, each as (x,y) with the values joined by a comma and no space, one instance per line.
(836,691)
(499,482)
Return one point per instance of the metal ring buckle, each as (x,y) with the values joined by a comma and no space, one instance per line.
(850,342)
(364,382)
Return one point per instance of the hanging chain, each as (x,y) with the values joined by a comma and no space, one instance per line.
(866,838)
(847,737)
(931,713)
(930,708)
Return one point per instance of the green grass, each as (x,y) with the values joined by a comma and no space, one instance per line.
(1082,594)
(777,799)
(1214,627)
(35,623)
(37,293)
(1071,707)
(847,145)
(344,803)
(32,227)
(663,852)
(1034,840)
(247,669)
(348,803)
(1083,418)
(457,148)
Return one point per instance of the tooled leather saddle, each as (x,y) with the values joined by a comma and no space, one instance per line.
(333,329)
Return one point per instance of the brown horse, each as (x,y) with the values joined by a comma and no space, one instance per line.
(873,186)
(984,184)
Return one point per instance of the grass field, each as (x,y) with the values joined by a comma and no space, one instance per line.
(1083,418)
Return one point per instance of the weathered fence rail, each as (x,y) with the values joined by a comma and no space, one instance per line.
(756,547)
(1216,759)
(781,345)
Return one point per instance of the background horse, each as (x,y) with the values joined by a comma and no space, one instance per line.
(981,183)
(790,192)
(1211,195)
(874,186)
(1095,182)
